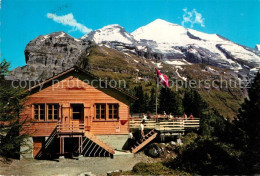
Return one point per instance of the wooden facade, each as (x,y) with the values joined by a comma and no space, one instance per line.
(75,102)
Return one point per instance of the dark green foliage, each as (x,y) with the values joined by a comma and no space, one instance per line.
(139,105)
(170,102)
(154,169)
(3,69)
(11,105)
(248,123)
(207,156)
(152,101)
(212,124)
(193,103)
(146,101)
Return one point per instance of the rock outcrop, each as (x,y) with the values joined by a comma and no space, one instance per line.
(48,55)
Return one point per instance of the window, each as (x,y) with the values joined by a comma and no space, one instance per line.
(113,111)
(53,111)
(101,111)
(39,111)
(107,111)
(46,112)
(77,111)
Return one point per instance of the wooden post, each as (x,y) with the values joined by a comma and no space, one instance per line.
(79,144)
(61,145)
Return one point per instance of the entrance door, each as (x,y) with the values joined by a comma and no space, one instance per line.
(77,113)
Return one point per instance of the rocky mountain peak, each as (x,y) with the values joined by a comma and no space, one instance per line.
(48,55)
(110,33)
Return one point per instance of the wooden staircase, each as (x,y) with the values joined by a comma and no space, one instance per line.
(147,138)
(47,144)
(92,146)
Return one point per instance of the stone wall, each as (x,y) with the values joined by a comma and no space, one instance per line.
(118,142)
(27,149)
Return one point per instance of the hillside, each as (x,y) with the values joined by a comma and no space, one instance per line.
(111,64)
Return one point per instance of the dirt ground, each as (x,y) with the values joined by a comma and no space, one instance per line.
(97,166)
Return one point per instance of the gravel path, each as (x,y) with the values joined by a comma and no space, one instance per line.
(98,166)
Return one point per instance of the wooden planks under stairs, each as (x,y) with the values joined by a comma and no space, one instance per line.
(92,146)
(47,144)
(147,139)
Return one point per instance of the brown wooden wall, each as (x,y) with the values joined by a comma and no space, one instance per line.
(72,91)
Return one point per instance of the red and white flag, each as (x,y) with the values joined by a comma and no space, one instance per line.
(163,79)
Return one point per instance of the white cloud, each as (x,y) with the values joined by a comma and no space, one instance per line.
(192,17)
(68,20)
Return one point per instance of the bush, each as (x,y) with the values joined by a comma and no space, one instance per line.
(154,169)
(189,138)
(207,156)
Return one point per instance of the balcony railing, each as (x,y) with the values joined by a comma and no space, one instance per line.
(167,125)
(71,127)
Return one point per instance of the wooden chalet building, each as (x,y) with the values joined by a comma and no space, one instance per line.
(75,112)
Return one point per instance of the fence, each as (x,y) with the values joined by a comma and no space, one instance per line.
(167,125)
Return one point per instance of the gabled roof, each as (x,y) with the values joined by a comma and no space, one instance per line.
(87,73)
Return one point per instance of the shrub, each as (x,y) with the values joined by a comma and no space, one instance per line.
(207,156)
(154,169)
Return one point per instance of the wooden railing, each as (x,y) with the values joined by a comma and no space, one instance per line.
(167,125)
(191,123)
(72,127)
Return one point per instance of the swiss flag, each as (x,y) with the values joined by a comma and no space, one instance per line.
(162,78)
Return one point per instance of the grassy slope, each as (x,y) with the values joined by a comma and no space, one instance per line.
(112,64)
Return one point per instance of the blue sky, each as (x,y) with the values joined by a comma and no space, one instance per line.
(24,20)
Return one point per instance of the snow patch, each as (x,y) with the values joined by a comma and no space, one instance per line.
(127,54)
(45,37)
(183,78)
(176,62)
(211,69)
(158,65)
(61,35)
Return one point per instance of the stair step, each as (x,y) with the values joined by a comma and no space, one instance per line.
(148,138)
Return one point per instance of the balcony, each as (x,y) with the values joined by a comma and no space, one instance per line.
(71,128)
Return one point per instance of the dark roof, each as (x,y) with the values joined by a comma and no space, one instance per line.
(78,69)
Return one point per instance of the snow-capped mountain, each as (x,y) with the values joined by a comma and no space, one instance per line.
(168,42)
(110,33)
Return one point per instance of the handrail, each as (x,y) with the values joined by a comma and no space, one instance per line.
(70,127)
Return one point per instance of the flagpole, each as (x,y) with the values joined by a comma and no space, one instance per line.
(163,80)
(156,92)
(156,97)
